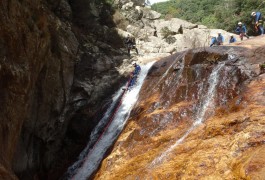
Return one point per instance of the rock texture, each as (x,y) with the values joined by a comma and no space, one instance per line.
(173,35)
(36,66)
(58,63)
(60,60)
(164,138)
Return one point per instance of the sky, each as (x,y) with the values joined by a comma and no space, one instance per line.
(155,1)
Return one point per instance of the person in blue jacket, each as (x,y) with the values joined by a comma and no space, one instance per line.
(241,30)
(258,22)
(134,75)
(137,69)
(213,41)
(220,39)
(232,39)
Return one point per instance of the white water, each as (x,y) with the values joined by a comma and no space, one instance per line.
(94,158)
(94,135)
(207,102)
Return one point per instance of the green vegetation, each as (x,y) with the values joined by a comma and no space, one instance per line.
(223,14)
(168,35)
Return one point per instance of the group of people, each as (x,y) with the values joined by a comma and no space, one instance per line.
(219,40)
(241,30)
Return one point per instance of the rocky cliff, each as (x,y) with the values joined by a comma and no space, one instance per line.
(60,60)
(200,115)
(161,37)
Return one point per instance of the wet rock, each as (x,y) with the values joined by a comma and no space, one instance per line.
(256,69)
(179,133)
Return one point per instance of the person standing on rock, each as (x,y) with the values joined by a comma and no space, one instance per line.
(220,39)
(232,39)
(130,43)
(155,32)
(258,22)
(241,30)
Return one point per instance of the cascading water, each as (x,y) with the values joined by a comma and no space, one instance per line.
(94,135)
(206,103)
(90,159)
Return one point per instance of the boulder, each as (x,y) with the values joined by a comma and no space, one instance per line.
(150,14)
(202,27)
(122,33)
(127,6)
(175,25)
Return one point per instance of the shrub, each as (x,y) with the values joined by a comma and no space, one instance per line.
(167,32)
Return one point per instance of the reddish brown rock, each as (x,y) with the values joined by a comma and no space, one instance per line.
(228,144)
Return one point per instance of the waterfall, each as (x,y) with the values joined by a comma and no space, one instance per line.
(206,103)
(90,160)
(94,135)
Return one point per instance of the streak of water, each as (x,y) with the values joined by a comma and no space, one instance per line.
(207,101)
(94,158)
(166,73)
(94,135)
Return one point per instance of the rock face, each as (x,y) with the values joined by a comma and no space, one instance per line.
(60,60)
(173,35)
(37,65)
(200,115)
(57,62)
(176,35)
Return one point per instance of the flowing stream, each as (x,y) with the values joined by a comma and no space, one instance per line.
(90,158)
(206,104)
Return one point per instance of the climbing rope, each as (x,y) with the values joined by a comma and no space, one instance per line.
(110,121)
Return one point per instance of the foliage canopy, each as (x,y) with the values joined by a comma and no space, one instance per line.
(221,14)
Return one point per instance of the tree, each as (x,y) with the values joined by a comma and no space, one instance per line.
(223,14)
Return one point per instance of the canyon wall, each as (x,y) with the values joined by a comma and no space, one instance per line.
(57,70)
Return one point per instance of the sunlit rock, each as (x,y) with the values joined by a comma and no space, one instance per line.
(150,14)
(200,115)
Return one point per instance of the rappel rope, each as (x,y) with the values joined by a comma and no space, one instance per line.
(110,121)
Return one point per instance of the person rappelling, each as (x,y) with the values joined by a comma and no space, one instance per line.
(133,76)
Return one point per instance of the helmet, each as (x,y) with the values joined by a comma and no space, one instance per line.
(219,32)
(239,23)
(231,35)
(253,14)
(133,63)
